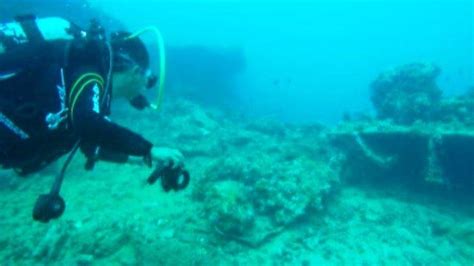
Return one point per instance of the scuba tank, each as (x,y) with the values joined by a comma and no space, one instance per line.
(46,49)
(29,29)
(28,42)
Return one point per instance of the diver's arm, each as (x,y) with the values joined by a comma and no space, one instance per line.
(93,127)
(116,142)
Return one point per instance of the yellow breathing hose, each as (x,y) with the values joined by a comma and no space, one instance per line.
(162,71)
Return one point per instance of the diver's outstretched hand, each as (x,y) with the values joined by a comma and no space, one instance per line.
(168,156)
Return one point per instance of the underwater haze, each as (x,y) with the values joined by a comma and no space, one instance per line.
(311,61)
(314,133)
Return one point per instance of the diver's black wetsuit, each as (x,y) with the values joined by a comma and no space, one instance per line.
(28,142)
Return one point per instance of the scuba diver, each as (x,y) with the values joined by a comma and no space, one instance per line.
(55,93)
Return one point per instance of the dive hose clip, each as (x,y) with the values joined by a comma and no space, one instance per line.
(54,120)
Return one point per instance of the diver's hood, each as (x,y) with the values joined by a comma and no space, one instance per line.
(132,52)
(128,51)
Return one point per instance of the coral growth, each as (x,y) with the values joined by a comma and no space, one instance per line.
(407,93)
(458,110)
(419,137)
(250,198)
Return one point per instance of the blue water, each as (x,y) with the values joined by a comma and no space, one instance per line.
(262,192)
(321,54)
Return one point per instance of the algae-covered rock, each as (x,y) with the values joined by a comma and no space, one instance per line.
(461,232)
(252,198)
(458,110)
(229,211)
(407,93)
(52,244)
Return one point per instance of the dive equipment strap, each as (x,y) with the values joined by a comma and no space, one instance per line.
(53,120)
(30,27)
